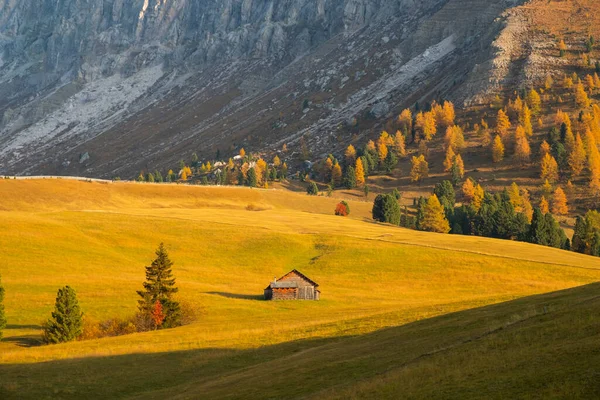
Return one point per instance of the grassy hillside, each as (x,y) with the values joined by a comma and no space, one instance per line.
(378,330)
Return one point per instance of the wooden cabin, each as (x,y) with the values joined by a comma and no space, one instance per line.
(292,286)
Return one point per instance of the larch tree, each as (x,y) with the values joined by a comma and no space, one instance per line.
(420,168)
(2,314)
(581,97)
(502,123)
(276,162)
(430,126)
(577,157)
(360,172)
(160,286)
(434,217)
(544,149)
(534,101)
(478,197)
(405,121)
(544,206)
(549,169)
(559,202)
(549,82)
(242,152)
(468,190)
(449,160)
(458,168)
(400,144)
(336,175)
(350,155)
(589,80)
(522,148)
(455,138)
(382,151)
(66,323)
(525,120)
(497,149)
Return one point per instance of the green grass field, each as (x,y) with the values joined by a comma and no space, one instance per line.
(403,314)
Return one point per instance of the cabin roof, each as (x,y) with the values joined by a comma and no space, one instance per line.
(283,285)
(315,284)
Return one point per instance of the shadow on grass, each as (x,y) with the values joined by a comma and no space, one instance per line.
(257,297)
(310,366)
(23,327)
(24,341)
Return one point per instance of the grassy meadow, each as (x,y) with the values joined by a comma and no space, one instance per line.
(403,313)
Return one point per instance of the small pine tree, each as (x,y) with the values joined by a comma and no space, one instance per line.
(312,189)
(160,286)
(386,209)
(350,178)
(66,323)
(252,178)
(2,315)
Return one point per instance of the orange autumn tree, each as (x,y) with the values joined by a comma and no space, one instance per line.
(534,101)
(581,97)
(336,174)
(434,216)
(478,197)
(420,168)
(559,202)
(242,152)
(544,149)
(468,190)
(525,121)
(342,209)
(157,314)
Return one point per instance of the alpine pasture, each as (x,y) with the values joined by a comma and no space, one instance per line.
(420,314)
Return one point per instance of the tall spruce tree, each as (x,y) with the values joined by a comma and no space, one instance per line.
(386,209)
(66,323)
(2,316)
(160,286)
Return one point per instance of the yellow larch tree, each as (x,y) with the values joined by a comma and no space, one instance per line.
(522,148)
(549,82)
(455,138)
(400,145)
(468,190)
(497,149)
(449,160)
(460,165)
(581,97)
(577,157)
(336,174)
(260,168)
(430,126)
(525,121)
(527,207)
(359,172)
(371,145)
(502,123)
(544,206)
(544,149)
(350,155)
(589,81)
(478,197)
(434,217)
(276,161)
(242,152)
(405,121)
(420,168)
(382,151)
(534,101)
(559,202)
(549,169)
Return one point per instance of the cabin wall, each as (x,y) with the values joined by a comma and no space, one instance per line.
(268,294)
(285,294)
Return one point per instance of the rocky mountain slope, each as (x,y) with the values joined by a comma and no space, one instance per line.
(108,88)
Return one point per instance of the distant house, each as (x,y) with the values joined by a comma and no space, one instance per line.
(292,286)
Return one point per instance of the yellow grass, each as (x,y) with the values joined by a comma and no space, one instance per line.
(98,238)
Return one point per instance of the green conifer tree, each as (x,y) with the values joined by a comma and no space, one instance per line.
(66,323)
(160,286)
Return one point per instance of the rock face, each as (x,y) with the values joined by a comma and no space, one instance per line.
(139,83)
